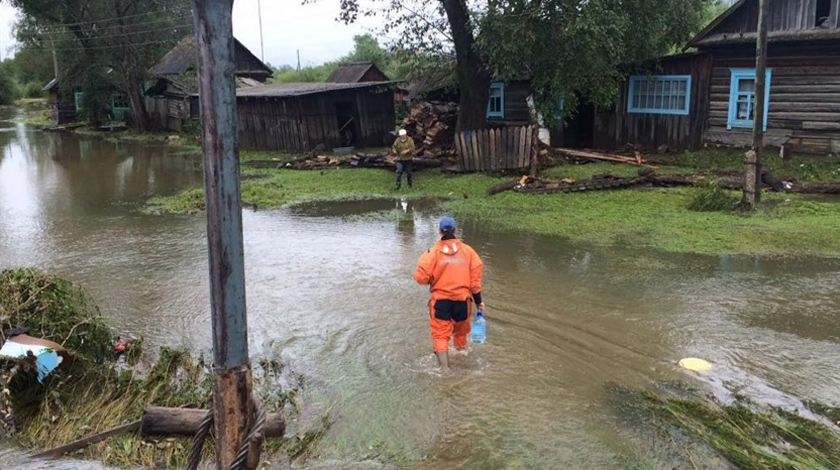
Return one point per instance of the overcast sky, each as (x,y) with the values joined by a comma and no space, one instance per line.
(287,26)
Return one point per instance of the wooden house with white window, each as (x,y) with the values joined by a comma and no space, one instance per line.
(707,97)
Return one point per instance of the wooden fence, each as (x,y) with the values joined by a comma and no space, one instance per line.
(507,148)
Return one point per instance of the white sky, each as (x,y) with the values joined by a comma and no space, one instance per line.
(287,26)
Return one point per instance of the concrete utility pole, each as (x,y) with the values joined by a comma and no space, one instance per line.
(233,407)
(752,167)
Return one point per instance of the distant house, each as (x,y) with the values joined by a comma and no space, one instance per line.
(357,72)
(172,95)
(66,108)
(303,116)
(707,97)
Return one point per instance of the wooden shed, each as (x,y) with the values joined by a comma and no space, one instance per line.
(708,97)
(172,95)
(302,116)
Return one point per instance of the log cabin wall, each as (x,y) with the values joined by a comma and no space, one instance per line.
(515,105)
(616,128)
(307,121)
(804,103)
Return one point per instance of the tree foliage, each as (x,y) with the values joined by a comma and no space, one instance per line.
(121,38)
(9,90)
(366,48)
(569,49)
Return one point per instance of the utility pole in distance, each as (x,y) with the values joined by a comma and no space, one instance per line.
(752,167)
(233,407)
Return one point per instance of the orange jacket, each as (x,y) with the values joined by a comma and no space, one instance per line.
(452,269)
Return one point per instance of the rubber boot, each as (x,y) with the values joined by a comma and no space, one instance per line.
(443,359)
(409,178)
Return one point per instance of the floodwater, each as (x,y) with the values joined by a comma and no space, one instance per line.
(329,291)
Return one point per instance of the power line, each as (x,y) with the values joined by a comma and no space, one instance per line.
(115,18)
(126,44)
(61,29)
(128,33)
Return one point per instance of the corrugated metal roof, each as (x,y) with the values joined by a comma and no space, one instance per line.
(351,72)
(279,90)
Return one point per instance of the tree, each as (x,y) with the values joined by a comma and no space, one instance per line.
(8,87)
(124,36)
(568,48)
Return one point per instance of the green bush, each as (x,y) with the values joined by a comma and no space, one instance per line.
(9,91)
(33,90)
(54,309)
(712,198)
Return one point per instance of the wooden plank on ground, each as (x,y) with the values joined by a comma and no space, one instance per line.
(90,440)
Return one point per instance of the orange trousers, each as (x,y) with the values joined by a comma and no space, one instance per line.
(445,326)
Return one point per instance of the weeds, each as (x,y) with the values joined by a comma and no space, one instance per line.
(711,198)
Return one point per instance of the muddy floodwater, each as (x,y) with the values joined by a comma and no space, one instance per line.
(329,291)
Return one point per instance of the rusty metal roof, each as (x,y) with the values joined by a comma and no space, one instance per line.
(183,57)
(280,90)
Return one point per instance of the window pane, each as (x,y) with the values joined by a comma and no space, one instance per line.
(746,85)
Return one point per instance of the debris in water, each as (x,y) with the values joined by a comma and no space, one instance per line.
(694,364)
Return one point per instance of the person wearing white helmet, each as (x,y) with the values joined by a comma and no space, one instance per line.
(403,149)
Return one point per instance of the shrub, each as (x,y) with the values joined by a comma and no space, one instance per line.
(711,198)
(33,90)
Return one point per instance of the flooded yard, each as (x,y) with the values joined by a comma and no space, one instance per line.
(329,291)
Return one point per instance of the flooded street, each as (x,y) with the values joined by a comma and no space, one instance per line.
(330,292)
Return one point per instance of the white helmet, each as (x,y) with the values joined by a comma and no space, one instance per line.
(402,132)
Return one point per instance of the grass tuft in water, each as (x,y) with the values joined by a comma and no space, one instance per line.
(748,435)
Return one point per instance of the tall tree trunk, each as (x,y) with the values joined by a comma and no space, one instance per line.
(139,116)
(473,76)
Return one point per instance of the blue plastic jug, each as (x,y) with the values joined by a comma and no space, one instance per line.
(478,334)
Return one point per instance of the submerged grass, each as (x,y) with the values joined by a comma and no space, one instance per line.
(747,435)
(657,218)
(94,393)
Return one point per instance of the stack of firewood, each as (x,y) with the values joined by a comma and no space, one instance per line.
(432,126)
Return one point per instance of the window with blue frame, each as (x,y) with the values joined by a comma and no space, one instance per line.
(78,100)
(659,94)
(496,103)
(742,98)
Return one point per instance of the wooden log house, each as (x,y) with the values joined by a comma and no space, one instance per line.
(707,97)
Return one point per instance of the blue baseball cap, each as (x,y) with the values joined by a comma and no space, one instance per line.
(447,224)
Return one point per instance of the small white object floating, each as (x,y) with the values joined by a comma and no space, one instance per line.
(695,364)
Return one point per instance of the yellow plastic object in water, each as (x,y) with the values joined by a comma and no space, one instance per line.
(695,364)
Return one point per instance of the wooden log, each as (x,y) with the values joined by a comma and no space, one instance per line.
(90,440)
(500,188)
(163,421)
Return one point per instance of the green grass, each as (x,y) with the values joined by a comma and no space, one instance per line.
(656,218)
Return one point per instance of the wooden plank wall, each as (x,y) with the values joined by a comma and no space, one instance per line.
(804,111)
(617,128)
(516,105)
(782,15)
(303,123)
(504,148)
(834,18)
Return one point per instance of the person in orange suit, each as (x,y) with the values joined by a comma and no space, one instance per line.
(452,270)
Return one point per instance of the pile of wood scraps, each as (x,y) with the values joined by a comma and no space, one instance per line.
(358,160)
(432,126)
(582,155)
